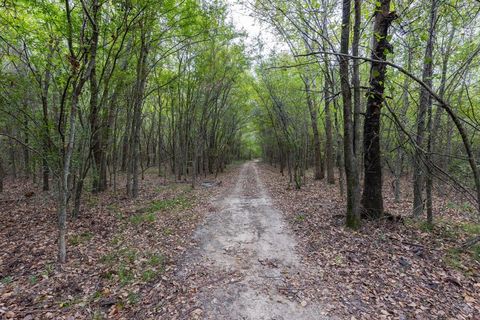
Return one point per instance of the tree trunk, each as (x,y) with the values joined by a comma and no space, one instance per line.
(137,113)
(372,199)
(99,182)
(45,175)
(357,103)
(319,173)
(339,158)
(425,103)
(13,157)
(63,186)
(353,212)
(108,140)
(66,153)
(62,217)
(77,197)
(47,142)
(429,182)
(26,151)
(159,134)
(2,174)
(330,157)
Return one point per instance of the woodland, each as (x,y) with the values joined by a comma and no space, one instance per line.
(123,122)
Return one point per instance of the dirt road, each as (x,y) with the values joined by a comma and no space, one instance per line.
(247,242)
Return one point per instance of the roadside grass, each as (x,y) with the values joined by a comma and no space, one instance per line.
(148,214)
(80,238)
(454,233)
(129,265)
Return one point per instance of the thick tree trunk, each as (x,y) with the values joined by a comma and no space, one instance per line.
(372,199)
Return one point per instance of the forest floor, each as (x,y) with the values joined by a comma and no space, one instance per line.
(122,253)
(249,247)
(399,269)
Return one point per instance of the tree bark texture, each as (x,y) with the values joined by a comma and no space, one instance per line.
(351,173)
(372,200)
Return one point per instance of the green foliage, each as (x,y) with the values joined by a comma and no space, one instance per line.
(471,228)
(142,218)
(121,255)
(156,259)
(133,298)
(179,203)
(125,275)
(300,217)
(6,280)
(108,258)
(149,275)
(127,265)
(476,252)
(80,238)
(453,259)
(148,215)
(167,231)
(464,206)
(425,226)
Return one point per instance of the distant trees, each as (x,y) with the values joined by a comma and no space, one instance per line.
(101,92)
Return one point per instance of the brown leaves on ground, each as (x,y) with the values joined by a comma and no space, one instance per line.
(122,253)
(386,270)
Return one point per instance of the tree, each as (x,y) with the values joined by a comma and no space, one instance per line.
(424,105)
(372,198)
(353,207)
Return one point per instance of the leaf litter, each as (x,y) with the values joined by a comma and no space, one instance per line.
(122,253)
(127,258)
(387,269)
